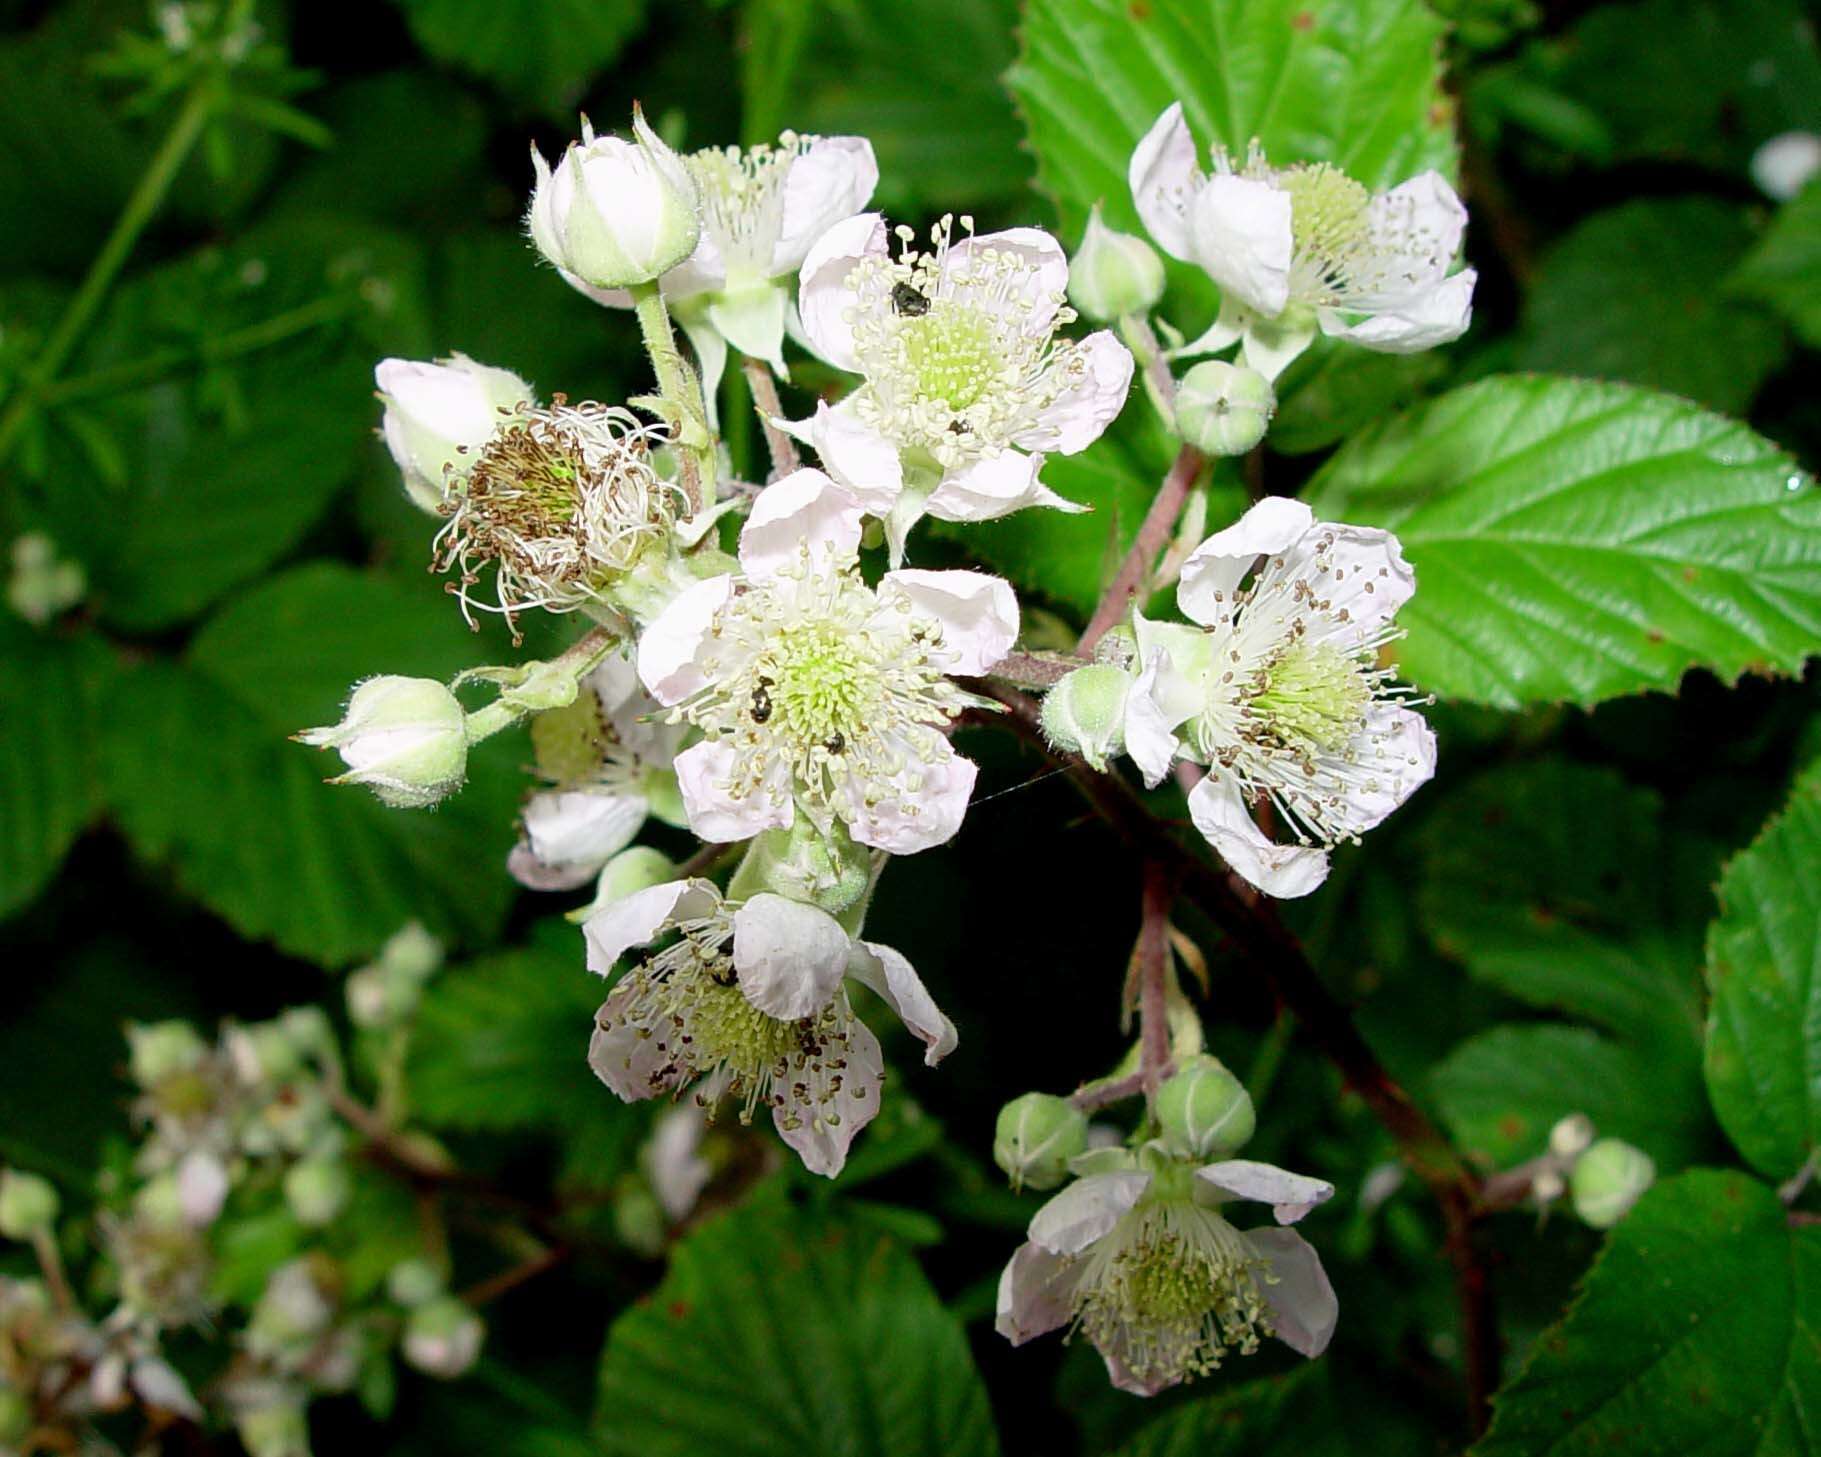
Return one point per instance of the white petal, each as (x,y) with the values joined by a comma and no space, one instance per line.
(640,917)
(994,486)
(1150,738)
(1044,285)
(1365,582)
(1290,1195)
(804,510)
(923,808)
(1164,180)
(159,1385)
(1303,1307)
(855,454)
(1100,375)
(1086,1210)
(823,297)
(1438,316)
(978,614)
(1420,223)
(202,1187)
(581,829)
(889,973)
(1036,1293)
(833,179)
(1241,230)
(1220,814)
(523,866)
(672,647)
(789,956)
(1215,569)
(715,816)
(824,1131)
(631,1060)
(1394,756)
(673,1160)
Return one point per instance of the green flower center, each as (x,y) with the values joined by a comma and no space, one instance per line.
(821,686)
(1329,211)
(1313,696)
(951,353)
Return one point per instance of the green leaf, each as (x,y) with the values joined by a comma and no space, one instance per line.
(1784,270)
(541,53)
(1764,974)
(1579,541)
(1632,293)
(1307,1412)
(1697,1330)
(1336,388)
(203,779)
(49,786)
(779,1332)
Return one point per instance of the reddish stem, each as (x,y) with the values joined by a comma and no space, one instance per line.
(1153,972)
(1153,536)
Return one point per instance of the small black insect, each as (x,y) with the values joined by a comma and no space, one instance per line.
(960,427)
(908,300)
(834,743)
(761,704)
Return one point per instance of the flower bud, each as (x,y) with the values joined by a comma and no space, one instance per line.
(42,585)
(405,738)
(1224,409)
(412,951)
(161,1050)
(1113,274)
(614,213)
(1205,1111)
(443,1337)
(1571,1136)
(1607,1180)
(1085,713)
(276,1429)
(317,1189)
(1035,1138)
(1783,166)
(438,416)
(412,1282)
(379,998)
(28,1204)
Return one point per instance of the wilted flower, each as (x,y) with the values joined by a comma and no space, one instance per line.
(1279,690)
(749,1003)
(967,384)
(440,415)
(406,739)
(816,691)
(609,756)
(1141,1260)
(1298,247)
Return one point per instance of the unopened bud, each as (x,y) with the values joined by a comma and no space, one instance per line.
(1205,1111)
(412,951)
(404,738)
(443,1337)
(1570,1137)
(1085,713)
(1224,409)
(1113,274)
(1035,1138)
(42,585)
(438,416)
(1607,1180)
(1783,166)
(278,1429)
(161,1050)
(379,997)
(317,1189)
(614,213)
(412,1282)
(28,1204)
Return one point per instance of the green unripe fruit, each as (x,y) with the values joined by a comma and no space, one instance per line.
(28,1204)
(412,1282)
(1607,1180)
(1205,1111)
(1224,409)
(1035,1138)
(1085,713)
(1114,274)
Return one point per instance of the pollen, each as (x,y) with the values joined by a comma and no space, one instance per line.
(1329,212)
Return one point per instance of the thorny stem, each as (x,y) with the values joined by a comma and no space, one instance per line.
(1255,930)
(682,396)
(765,404)
(1153,536)
(140,208)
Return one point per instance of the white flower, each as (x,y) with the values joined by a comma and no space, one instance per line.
(673,1162)
(1784,164)
(749,1003)
(762,208)
(817,693)
(967,385)
(1142,1261)
(1306,245)
(1279,692)
(614,213)
(610,760)
(406,739)
(439,415)
(563,502)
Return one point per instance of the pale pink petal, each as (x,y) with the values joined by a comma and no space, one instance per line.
(994,486)
(1164,180)
(703,773)
(640,917)
(789,956)
(158,1384)
(581,829)
(673,1160)
(1303,1306)
(672,647)
(636,1062)
(529,871)
(1242,238)
(1290,1196)
(822,1130)
(889,973)
(978,614)
(833,179)
(923,808)
(1439,316)
(802,512)
(1099,374)
(1087,1210)
(1036,1293)
(1285,871)
(1044,285)
(823,295)
(855,454)
(202,1187)
(1215,569)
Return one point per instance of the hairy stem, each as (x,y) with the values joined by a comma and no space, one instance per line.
(681,393)
(1153,535)
(765,404)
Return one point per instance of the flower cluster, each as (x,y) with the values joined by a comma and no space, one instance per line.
(755,673)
